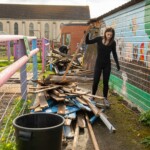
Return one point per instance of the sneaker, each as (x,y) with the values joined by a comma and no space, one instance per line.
(106,102)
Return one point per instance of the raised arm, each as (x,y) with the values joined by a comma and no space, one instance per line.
(115,56)
(92,41)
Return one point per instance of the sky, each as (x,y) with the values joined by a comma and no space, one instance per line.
(97,7)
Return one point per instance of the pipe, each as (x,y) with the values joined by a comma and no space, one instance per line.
(4,38)
(10,70)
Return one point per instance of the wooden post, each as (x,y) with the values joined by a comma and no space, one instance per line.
(23,74)
(8,50)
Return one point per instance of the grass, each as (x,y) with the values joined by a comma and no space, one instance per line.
(5,63)
(10,144)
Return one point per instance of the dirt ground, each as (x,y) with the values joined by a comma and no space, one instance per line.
(129,131)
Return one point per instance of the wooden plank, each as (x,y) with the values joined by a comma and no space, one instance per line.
(38,109)
(81,101)
(66,89)
(93,108)
(42,99)
(61,109)
(81,120)
(41,87)
(60,91)
(76,135)
(80,92)
(46,89)
(95,96)
(36,103)
(57,98)
(92,135)
(56,92)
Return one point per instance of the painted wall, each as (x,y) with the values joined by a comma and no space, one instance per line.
(132,27)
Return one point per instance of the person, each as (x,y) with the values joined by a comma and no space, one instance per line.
(105,45)
(64,49)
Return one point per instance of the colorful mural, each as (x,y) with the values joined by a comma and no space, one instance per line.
(132,27)
(134,54)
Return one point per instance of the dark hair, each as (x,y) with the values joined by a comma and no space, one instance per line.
(110,29)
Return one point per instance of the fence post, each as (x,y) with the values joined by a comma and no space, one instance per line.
(8,50)
(21,51)
(15,49)
(34,59)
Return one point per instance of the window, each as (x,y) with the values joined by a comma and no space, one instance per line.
(16,28)
(68,39)
(47,30)
(1,26)
(31,29)
(63,39)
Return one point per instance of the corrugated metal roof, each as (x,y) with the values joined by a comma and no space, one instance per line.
(16,11)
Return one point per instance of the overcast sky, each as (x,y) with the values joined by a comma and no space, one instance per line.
(97,7)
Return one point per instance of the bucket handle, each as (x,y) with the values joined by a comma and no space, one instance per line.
(25,136)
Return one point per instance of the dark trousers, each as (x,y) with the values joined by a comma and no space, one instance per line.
(106,69)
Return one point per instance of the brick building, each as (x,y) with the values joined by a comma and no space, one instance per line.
(71,34)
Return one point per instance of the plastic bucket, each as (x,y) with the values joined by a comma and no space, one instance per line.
(38,131)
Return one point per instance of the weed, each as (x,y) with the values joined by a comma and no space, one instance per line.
(145,118)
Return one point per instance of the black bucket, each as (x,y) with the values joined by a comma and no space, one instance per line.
(38,131)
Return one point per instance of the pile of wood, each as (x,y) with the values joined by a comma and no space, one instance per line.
(70,101)
(59,61)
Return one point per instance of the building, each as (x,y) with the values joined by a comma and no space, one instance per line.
(131,22)
(40,20)
(71,34)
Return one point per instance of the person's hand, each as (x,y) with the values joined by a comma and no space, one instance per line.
(118,67)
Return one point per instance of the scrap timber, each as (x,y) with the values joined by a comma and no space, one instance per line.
(58,63)
(72,102)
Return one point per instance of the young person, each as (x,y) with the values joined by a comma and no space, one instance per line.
(105,45)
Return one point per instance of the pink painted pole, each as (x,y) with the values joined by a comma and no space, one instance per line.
(10,70)
(4,38)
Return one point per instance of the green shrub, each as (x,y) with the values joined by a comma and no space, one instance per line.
(146,141)
(145,118)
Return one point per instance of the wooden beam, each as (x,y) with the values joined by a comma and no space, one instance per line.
(95,96)
(91,132)
(76,135)
(57,98)
(46,89)
(42,99)
(93,107)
